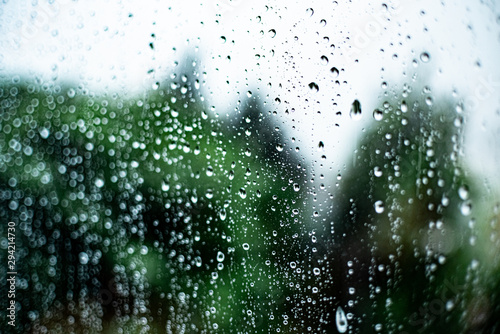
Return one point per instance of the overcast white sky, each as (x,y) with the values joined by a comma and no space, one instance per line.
(106,45)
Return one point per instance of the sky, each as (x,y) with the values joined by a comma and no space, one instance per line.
(275,49)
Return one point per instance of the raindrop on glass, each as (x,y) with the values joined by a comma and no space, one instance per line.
(83,257)
(378,115)
(314,86)
(341,320)
(355,110)
(334,71)
(425,57)
(379,206)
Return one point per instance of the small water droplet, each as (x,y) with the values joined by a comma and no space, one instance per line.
(324,60)
(220,256)
(44,133)
(246,246)
(355,110)
(425,57)
(243,193)
(335,72)
(83,257)
(463,192)
(379,207)
(99,183)
(378,115)
(296,187)
(466,208)
(165,186)
(377,171)
(209,194)
(314,86)
(404,106)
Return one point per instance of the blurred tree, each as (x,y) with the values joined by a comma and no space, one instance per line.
(143,214)
(399,256)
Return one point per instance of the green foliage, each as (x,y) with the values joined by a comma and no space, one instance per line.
(136,213)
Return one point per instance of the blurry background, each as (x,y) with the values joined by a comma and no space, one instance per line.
(235,167)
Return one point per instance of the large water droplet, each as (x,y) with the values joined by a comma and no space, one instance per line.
(341,320)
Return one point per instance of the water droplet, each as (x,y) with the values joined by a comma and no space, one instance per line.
(144,250)
(316,271)
(466,208)
(243,193)
(425,57)
(210,171)
(379,207)
(209,194)
(220,256)
(404,106)
(272,33)
(279,147)
(83,257)
(310,11)
(334,71)
(246,246)
(341,320)
(223,39)
(378,115)
(99,183)
(463,192)
(355,110)
(324,60)
(165,186)
(314,86)
(44,133)
(296,187)
(377,171)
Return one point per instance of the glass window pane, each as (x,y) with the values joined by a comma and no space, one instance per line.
(249,167)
